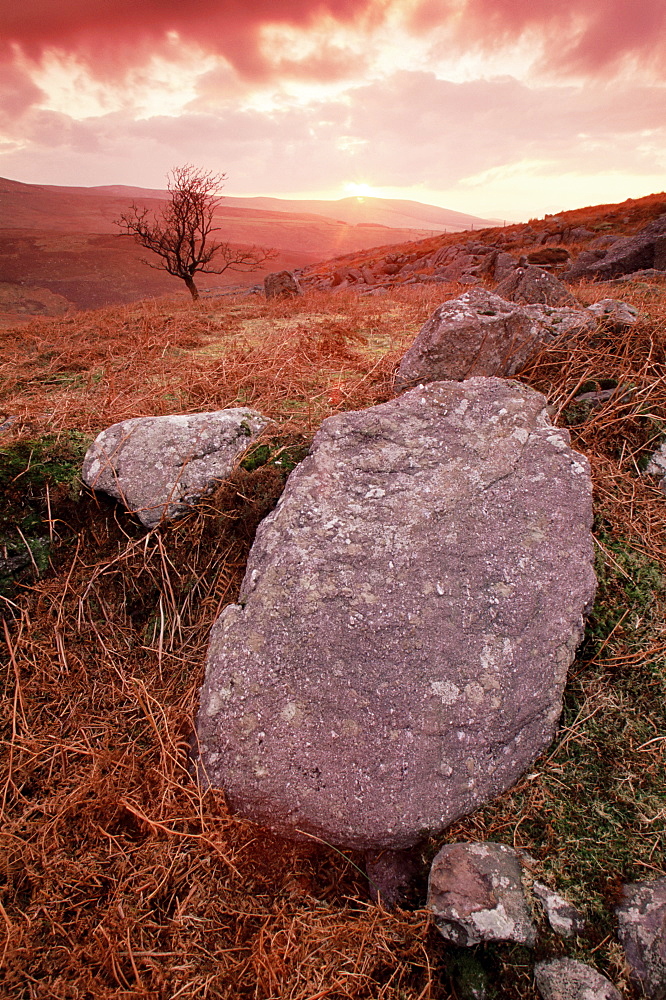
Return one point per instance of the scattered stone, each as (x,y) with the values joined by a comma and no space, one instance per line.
(657,466)
(647,249)
(406,621)
(584,260)
(549,256)
(8,423)
(281,285)
(615,315)
(578,234)
(642,933)
(649,274)
(562,916)
(160,466)
(480,333)
(503,265)
(566,979)
(475,893)
(532,284)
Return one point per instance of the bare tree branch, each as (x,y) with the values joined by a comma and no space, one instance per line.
(180,234)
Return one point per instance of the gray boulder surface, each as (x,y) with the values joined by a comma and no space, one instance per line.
(532,284)
(281,285)
(642,932)
(567,979)
(406,621)
(480,333)
(160,466)
(475,894)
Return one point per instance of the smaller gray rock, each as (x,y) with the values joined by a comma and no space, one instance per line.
(642,932)
(475,893)
(160,466)
(614,314)
(480,333)
(566,979)
(532,284)
(564,918)
(281,285)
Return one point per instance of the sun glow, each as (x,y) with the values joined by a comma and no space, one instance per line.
(361,190)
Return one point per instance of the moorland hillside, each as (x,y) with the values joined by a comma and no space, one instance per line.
(61,249)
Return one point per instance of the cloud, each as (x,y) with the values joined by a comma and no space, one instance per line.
(121,33)
(411,129)
(270,39)
(584,37)
(17,93)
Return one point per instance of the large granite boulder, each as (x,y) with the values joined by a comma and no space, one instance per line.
(642,932)
(406,621)
(481,333)
(160,466)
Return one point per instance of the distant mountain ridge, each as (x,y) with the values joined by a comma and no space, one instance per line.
(354,211)
(63,241)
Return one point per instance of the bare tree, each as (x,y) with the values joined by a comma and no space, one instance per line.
(180,234)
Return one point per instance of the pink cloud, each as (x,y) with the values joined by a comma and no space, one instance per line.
(580,36)
(121,33)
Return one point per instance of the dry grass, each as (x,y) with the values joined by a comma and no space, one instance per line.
(121,878)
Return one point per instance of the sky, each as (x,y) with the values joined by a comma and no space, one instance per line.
(500,108)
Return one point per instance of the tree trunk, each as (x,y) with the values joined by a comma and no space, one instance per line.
(192,288)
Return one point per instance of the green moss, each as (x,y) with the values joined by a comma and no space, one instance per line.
(34,473)
(276,453)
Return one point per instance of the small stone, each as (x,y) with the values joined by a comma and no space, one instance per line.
(564,918)
(476,894)
(642,932)
(566,979)
(657,466)
(281,285)
(614,314)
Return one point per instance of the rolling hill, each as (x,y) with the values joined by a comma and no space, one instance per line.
(62,241)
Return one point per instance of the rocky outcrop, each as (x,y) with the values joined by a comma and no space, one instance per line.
(647,249)
(475,894)
(642,932)
(480,333)
(567,979)
(158,467)
(532,284)
(281,285)
(406,621)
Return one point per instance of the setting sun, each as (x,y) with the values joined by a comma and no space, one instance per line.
(361,190)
